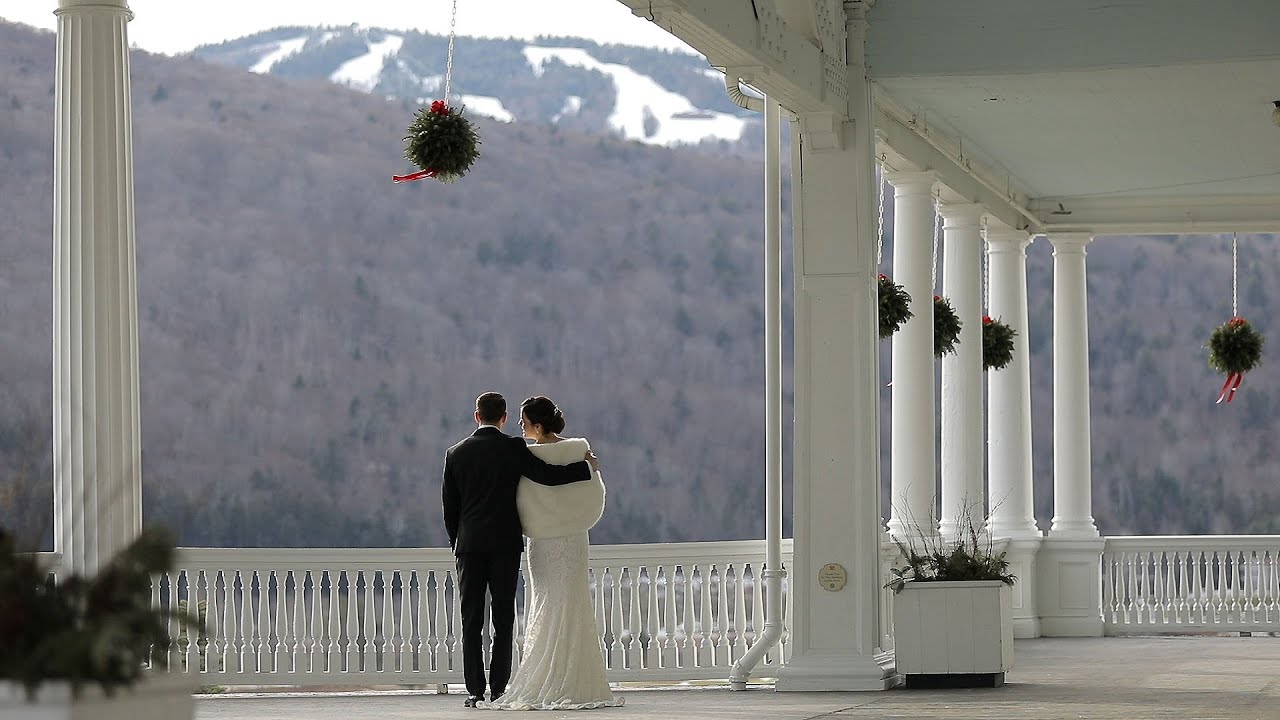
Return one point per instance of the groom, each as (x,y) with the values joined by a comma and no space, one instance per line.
(479,494)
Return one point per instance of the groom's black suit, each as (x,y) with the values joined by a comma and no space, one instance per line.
(479,495)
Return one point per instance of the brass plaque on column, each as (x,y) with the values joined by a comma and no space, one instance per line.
(833,577)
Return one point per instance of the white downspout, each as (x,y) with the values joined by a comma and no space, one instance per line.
(773,572)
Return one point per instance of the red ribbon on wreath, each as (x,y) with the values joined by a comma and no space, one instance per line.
(1229,387)
(1232,384)
(438,108)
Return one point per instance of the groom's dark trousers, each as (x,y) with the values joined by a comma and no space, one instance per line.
(479,498)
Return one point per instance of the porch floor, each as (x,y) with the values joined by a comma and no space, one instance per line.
(1135,678)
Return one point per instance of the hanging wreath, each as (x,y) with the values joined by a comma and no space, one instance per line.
(442,142)
(895,306)
(946,327)
(1235,348)
(997,344)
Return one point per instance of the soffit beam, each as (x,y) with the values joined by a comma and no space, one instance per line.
(752,39)
(1160,215)
(900,147)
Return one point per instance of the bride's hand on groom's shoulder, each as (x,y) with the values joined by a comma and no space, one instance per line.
(592,460)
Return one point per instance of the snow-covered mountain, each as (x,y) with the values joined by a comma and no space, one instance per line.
(651,96)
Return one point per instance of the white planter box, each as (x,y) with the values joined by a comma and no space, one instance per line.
(954,628)
(161,697)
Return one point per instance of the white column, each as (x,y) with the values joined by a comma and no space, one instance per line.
(1009,393)
(1072,492)
(836,632)
(97,456)
(1010,497)
(1069,563)
(913,471)
(962,447)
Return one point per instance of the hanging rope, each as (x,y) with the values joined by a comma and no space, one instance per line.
(1235,281)
(448,65)
(986,274)
(937,235)
(880,215)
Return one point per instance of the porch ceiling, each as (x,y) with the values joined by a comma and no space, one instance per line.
(1142,115)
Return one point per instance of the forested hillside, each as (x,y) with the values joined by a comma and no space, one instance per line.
(313,336)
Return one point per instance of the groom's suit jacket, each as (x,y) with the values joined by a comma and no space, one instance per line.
(479,493)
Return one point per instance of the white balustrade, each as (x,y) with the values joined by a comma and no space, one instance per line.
(306,616)
(1191,584)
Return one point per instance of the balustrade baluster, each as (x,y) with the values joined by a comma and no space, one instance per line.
(333,625)
(204,611)
(367,623)
(315,659)
(351,627)
(649,626)
(293,591)
(670,646)
(616,651)
(631,633)
(738,632)
(684,624)
(1270,612)
(455,625)
(432,636)
(757,607)
(703,655)
(265,627)
(405,629)
(227,581)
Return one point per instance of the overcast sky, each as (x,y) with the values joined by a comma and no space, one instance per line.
(174,26)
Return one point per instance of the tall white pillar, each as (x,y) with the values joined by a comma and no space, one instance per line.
(835,577)
(913,471)
(1072,492)
(97,456)
(962,447)
(1009,392)
(1069,562)
(1010,497)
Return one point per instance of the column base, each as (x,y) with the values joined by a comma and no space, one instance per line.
(1070,588)
(836,671)
(1026,627)
(1021,553)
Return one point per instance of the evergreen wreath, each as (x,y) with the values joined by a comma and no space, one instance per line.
(441,142)
(997,343)
(946,327)
(1235,348)
(895,306)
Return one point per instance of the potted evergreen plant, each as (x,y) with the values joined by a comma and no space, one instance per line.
(82,647)
(953,610)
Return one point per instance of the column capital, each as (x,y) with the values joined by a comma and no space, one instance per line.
(961,214)
(1003,239)
(100,5)
(1069,243)
(911,183)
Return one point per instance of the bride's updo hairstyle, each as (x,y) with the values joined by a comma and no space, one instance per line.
(540,410)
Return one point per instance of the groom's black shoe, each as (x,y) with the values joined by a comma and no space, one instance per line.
(495,697)
(472,700)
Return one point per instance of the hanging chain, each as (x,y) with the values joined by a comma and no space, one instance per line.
(937,232)
(448,67)
(1235,255)
(986,273)
(880,215)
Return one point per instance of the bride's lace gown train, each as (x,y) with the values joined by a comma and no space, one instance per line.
(563,665)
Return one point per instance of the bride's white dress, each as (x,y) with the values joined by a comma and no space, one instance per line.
(563,663)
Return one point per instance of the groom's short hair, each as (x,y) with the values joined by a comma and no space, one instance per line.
(491,406)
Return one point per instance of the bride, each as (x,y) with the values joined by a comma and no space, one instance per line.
(563,663)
